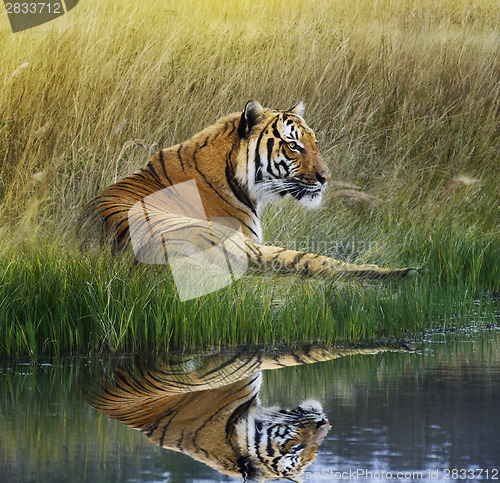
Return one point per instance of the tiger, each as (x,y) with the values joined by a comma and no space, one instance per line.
(238,163)
(208,408)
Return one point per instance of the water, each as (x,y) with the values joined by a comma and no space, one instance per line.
(394,415)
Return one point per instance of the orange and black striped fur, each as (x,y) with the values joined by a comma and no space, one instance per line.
(209,408)
(242,160)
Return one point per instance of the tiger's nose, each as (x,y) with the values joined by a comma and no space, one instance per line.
(323,177)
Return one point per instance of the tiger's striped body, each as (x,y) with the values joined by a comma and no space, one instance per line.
(242,160)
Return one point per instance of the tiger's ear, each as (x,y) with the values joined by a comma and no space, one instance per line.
(298,109)
(249,118)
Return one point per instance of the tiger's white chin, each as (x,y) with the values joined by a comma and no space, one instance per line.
(312,406)
(313,200)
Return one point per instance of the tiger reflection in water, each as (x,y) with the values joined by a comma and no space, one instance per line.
(209,409)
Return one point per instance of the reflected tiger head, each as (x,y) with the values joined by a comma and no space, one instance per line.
(282,155)
(283,442)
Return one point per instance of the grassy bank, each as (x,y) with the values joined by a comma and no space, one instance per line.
(55,301)
(404,98)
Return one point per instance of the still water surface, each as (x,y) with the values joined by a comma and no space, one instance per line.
(403,415)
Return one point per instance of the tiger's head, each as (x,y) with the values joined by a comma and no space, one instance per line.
(281,155)
(281,443)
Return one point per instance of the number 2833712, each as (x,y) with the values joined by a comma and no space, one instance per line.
(34,7)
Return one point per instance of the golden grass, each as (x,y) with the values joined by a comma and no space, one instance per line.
(453,184)
(404,95)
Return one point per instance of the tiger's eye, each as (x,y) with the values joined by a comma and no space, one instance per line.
(292,145)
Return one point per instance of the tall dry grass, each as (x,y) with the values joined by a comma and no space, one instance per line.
(404,95)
